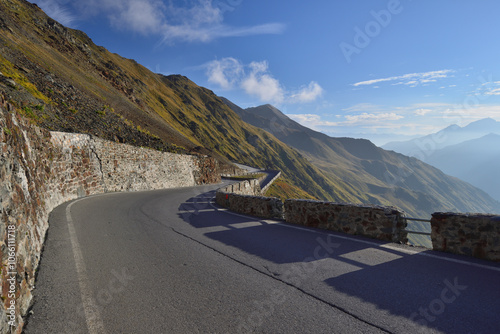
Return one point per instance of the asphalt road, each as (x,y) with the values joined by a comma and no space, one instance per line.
(170,262)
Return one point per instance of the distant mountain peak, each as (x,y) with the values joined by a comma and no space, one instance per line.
(265,107)
(452,127)
(484,122)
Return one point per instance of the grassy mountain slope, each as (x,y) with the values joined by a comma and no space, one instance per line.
(370,173)
(63,81)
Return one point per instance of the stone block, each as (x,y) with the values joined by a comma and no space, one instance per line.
(474,235)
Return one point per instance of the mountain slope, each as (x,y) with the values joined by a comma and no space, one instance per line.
(476,161)
(63,81)
(370,173)
(425,146)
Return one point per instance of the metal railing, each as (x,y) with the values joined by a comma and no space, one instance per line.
(418,220)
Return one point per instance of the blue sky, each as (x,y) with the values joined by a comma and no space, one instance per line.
(381,70)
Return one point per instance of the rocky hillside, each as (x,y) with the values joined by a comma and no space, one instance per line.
(61,80)
(371,174)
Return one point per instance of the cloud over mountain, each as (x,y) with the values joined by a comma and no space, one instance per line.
(256,80)
(195,21)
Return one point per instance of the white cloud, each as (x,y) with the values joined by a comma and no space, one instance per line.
(256,80)
(144,17)
(312,121)
(305,117)
(309,93)
(261,84)
(365,118)
(57,11)
(413,119)
(352,122)
(422,111)
(194,21)
(411,79)
(495,91)
(462,115)
(225,72)
(364,107)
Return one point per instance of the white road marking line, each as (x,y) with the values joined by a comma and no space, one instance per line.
(92,314)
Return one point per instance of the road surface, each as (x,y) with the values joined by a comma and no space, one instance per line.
(170,262)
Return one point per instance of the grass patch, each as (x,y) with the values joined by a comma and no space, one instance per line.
(146,132)
(284,190)
(28,112)
(8,70)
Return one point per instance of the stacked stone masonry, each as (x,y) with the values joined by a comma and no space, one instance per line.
(476,235)
(247,187)
(244,197)
(384,223)
(40,170)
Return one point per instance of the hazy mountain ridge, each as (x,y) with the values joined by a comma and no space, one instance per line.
(471,153)
(370,173)
(425,146)
(476,161)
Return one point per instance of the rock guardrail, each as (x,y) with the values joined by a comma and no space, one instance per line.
(476,235)
(384,223)
(244,197)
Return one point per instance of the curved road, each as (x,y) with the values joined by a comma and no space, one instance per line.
(169,262)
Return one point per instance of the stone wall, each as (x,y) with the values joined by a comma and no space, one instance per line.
(119,167)
(40,170)
(476,235)
(384,223)
(244,197)
(246,187)
(262,207)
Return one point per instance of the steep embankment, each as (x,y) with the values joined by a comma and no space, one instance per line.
(371,174)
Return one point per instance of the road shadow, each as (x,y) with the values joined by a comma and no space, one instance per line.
(435,294)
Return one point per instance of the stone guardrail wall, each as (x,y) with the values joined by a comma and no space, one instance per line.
(244,197)
(246,187)
(476,235)
(384,223)
(40,170)
(259,206)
